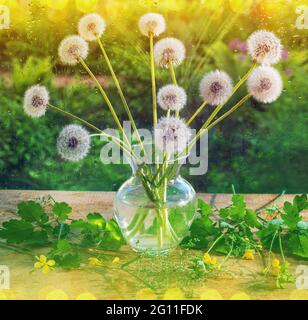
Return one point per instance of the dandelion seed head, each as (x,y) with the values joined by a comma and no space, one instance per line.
(171,97)
(73,143)
(171,135)
(91,26)
(264,47)
(169,50)
(36,101)
(71,49)
(265,84)
(216,87)
(152,23)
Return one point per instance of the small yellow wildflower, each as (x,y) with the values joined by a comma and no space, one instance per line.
(94,262)
(115,260)
(209,260)
(276,267)
(44,264)
(249,255)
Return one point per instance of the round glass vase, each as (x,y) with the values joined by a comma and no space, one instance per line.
(155,227)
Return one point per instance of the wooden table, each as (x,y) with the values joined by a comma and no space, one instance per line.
(242,279)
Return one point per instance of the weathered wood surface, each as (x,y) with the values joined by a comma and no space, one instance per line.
(240,279)
(85,202)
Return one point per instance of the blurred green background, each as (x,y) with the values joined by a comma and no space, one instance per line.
(259,149)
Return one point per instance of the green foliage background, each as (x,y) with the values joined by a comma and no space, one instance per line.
(260,149)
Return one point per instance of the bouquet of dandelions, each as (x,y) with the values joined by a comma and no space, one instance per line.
(163,219)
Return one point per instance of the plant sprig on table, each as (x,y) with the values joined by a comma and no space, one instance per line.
(36,226)
(241,232)
(235,231)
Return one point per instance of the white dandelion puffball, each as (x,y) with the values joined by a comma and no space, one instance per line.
(36,101)
(73,142)
(71,49)
(171,97)
(171,135)
(91,26)
(152,23)
(216,87)
(264,47)
(169,50)
(265,84)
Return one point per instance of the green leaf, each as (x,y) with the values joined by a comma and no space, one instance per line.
(69,261)
(236,211)
(20,231)
(300,202)
(61,210)
(96,219)
(112,238)
(31,211)
(205,209)
(62,248)
(251,219)
(201,228)
(298,245)
(16,231)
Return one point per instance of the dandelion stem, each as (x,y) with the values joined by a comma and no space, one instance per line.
(153,80)
(118,86)
(226,114)
(196,113)
(172,73)
(103,93)
(117,141)
(219,107)
(76,118)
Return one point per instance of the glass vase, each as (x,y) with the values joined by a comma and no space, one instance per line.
(150,224)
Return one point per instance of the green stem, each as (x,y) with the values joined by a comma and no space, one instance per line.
(172,73)
(215,242)
(271,247)
(137,226)
(117,84)
(219,107)
(75,117)
(103,93)
(60,231)
(196,113)
(117,141)
(153,80)
(281,250)
(226,114)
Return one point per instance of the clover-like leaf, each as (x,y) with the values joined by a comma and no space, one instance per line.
(61,210)
(31,211)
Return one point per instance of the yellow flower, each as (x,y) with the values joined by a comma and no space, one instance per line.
(94,262)
(249,255)
(209,260)
(115,260)
(275,263)
(44,264)
(275,267)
